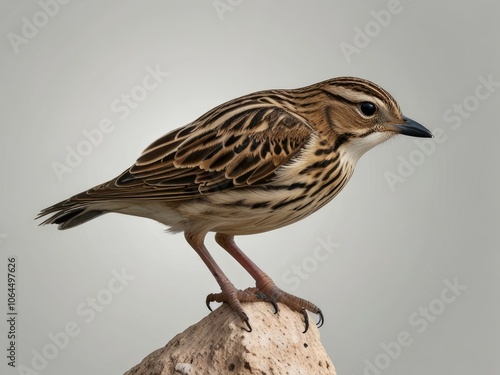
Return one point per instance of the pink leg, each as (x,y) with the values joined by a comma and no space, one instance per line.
(229,293)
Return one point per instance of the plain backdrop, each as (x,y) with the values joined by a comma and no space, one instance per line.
(408,251)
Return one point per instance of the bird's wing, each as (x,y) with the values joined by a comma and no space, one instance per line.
(227,148)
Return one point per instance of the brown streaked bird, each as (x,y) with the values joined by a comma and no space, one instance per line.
(250,165)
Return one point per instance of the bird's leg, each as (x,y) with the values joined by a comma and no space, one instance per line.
(265,284)
(229,293)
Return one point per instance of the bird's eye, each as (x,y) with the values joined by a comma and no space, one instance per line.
(368,108)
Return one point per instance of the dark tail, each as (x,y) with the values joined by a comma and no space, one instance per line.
(68,214)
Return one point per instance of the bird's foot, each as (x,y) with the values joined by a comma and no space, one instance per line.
(268,293)
(233,297)
(273,293)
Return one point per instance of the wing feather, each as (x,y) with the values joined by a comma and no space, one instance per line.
(227,148)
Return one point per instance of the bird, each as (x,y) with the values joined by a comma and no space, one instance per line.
(250,165)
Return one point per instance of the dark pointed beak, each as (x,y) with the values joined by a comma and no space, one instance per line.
(411,128)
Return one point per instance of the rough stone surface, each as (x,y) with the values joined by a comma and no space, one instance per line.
(219,345)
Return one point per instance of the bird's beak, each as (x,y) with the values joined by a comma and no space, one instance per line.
(411,128)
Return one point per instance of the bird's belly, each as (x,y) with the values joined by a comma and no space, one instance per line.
(226,213)
(244,220)
(237,214)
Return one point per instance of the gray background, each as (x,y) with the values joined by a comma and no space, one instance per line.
(396,247)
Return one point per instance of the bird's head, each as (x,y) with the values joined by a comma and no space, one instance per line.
(362,115)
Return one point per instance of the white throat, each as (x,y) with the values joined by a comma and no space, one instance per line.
(356,147)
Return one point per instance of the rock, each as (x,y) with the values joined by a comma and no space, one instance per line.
(219,345)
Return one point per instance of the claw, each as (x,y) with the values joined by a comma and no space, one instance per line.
(275,305)
(321,319)
(263,297)
(306,319)
(248,325)
(208,300)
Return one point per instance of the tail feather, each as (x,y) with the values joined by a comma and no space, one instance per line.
(69,214)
